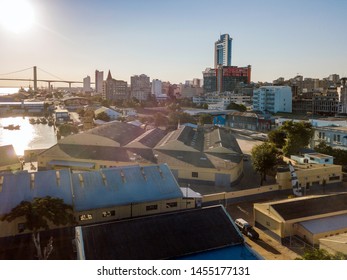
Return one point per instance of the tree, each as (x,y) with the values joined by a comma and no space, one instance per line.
(298,136)
(322,254)
(205,119)
(66,129)
(180,117)
(277,137)
(340,156)
(39,214)
(103,116)
(237,107)
(264,158)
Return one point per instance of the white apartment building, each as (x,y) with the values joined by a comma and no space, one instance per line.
(223,99)
(157,87)
(273,99)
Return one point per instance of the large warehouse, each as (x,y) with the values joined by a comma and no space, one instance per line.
(206,155)
(309,218)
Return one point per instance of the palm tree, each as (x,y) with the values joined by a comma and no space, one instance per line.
(38,214)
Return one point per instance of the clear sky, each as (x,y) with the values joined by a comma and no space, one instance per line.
(173,40)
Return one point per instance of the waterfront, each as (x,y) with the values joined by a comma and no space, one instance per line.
(9,90)
(29,136)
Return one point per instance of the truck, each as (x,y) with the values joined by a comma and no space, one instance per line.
(246,228)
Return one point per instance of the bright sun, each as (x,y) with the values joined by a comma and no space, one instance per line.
(16,15)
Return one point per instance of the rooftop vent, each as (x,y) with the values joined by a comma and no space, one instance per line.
(32,180)
(80,177)
(123,176)
(104,180)
(143,173)
(160,172)
(57,175)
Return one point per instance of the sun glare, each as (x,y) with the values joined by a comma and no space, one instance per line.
(16,15)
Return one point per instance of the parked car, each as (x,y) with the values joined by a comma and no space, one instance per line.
(246,228)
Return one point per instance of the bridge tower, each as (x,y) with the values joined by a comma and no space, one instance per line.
(35,78)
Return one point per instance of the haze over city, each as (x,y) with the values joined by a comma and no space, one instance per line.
(172,41)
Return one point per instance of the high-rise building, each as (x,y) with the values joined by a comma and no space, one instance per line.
(343,96)
(99,79)
(222,51)
(115,89)
(140,87)
(157,88)
(86,84)
(226,78)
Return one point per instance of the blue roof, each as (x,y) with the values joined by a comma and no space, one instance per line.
(234,252)
(26,186)
(92,189)
(123,185)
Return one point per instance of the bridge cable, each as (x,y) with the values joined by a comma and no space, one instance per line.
(3,74)
(51,74)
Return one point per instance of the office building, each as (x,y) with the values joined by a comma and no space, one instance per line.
(140,87)
(99,78)
(86,84)
(226,78)
(222,51)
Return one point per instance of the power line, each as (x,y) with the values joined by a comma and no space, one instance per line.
(51,74)
(3,74)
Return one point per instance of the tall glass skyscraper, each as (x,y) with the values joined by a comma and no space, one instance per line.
(222,51)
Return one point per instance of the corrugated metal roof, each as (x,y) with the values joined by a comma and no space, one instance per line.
(120,132)
(311,206)
(123,185)
(327,224)
(26,186)
(165,236)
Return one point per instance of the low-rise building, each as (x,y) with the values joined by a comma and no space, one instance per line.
(334,136)
(249,121)
(61,116)
(308,218)
(96,196)
(205,233)
(205,155)
(113,114)
(314,158)
(310,175)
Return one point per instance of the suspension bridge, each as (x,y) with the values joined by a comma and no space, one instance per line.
(35,78)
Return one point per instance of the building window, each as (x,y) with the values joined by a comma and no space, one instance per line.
(195,174)
(108,213)
(171,204)
(333,178)
(85,217)
(151,207)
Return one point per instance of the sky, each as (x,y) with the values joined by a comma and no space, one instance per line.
(172,40)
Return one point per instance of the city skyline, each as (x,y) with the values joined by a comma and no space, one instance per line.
(174,41)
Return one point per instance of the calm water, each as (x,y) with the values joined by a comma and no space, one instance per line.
(29,136)
(8,90)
